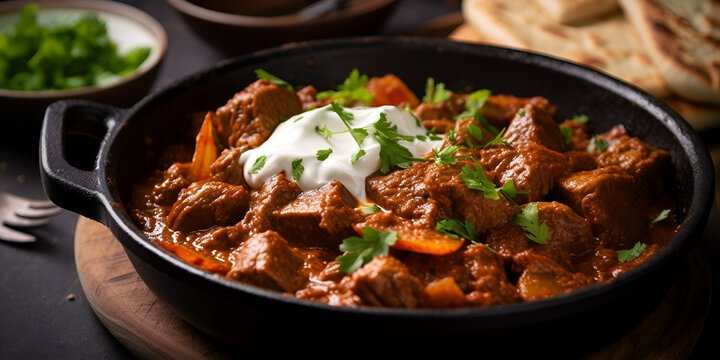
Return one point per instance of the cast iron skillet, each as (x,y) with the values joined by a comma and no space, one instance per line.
(98,186)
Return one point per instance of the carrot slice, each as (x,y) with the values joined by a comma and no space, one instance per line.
(427,242)
(445,293)
(192,257)
(390,90)
(205,151)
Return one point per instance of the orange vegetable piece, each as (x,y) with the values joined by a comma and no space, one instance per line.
(205,151)
(428,242)
(390,90)
(445,293)
(534,285)
(191,257)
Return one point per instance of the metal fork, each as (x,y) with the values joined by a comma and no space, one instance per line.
(23,213)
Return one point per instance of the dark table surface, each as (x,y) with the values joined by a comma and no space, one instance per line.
(37,319)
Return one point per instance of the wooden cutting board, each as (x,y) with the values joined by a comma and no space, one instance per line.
(150,329)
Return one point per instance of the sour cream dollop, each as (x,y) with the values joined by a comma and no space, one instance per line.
(297,138)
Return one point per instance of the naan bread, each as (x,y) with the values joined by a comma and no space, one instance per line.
(682,37)
(610,45)
(577,11)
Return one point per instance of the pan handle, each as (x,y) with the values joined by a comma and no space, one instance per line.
(70,140)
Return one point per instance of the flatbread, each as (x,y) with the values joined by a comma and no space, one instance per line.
(610,45)
(577,11)
(682,38)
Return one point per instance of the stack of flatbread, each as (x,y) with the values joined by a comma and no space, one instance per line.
(670,48)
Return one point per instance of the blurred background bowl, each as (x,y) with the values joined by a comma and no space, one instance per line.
(127,26)
(237,26)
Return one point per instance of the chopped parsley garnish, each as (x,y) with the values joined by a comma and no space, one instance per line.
(262,74)
(663,215)
(566,134)
(322,155)
(521,112)
(356,156)
(367,210)
(445,156)
(432,134)
(435,93)
(352,88)
(598,144)
(582,118)
(475,131)
(528,220)
(361,250)
(392,154)
(149,211)
(358,134)
(421,137)
(451,135)
(498,140)
(632,253)
(476,180)
(298,118)
(324,131)
(259,163)
(454,228)
(473,109)
(297,169)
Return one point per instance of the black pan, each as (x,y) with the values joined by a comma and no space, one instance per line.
(97,185)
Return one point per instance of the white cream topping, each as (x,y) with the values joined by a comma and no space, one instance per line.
(297,138)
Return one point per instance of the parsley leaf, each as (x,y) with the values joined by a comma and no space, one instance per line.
(358,134)
(352,88)
(360,250)
(498,140)
(259,163)
(521,112)
(598,144)
(451,135)
(473,109)
(432,134)
(297,169)
(409,110)
(453,228)
(435,93)
(475,131)
(566,134)
(476,180)
(298,119)
(528,220)
(509,190)
(322,155)
(663,215)
(262,74)
(444,156)
(630,254)
(392,154)
(356,156)
(582,118)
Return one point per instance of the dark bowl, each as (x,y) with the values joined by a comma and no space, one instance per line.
(237,26)
(127,27)
(99,187)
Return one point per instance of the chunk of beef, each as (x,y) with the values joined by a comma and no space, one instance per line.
(579,136)
(489,284)
(535,125)
(227,168)
(500,109)
(321,217)
(249,118)
(569,236)
(277,192)
(580,160)
(385,281)
(222,238)
(307,96)
(430,191)
(205,204)
(266,260)
(174,180)
(543,277)
(533,168)
(645,162)
(441,115)
(432,268)
(608,199)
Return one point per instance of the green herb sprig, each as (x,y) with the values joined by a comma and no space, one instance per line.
(361,250)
